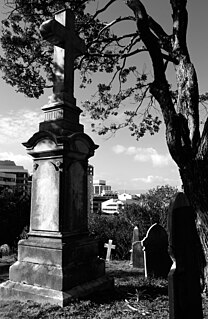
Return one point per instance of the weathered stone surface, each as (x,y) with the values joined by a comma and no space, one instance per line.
(59,255)
(138,256)
(57,266)
(135,238)
(10,290)
(67,46)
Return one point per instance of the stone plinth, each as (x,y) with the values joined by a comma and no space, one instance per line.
(58,261)
(11,290)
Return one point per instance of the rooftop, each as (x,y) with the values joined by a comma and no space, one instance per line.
(10,166)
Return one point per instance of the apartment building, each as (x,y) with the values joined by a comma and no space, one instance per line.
(13,176)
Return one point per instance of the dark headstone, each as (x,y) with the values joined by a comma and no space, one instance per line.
(155,243)
(188,260)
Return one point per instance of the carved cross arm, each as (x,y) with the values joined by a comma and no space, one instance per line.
(58,35)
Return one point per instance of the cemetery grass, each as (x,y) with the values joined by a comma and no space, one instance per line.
(133,297)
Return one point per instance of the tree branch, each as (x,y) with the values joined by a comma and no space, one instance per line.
(110,24)
(104,8)
(161,34)
(149,39)
(159,88)
(187,84)
(180,23)
(203,147)
(122,56)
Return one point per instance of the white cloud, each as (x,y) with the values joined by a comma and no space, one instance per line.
(131,150)
(18,126)
(118,149)
(144,155)
(19,159)
(151,179)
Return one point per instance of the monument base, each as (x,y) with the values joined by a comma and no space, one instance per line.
(56,270)
(11,290)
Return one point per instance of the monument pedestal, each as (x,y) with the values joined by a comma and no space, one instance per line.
(55,271)
(58,261)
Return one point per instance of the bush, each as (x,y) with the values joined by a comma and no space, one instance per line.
(116,228)
(14,216)
(150,208)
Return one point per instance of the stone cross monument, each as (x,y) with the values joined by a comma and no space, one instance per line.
(67,46)
(59,260)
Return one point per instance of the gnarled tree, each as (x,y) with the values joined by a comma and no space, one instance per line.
(27,64)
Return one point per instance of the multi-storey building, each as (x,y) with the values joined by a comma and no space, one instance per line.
(112,206)
(100,188)
(13,176)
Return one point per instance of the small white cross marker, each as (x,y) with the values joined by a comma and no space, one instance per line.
(109,246)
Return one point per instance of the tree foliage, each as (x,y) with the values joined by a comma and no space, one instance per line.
(116,228)
(14,216)
(27,61)
(152,207)
(27,65)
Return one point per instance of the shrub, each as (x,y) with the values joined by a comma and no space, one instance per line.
(150,208)
(116,228)
(14,216)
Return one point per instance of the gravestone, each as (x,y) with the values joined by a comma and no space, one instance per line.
(137,253)
(135,238)
(59,260)
(157,259)
(138,256)
(109,247)
(188,261)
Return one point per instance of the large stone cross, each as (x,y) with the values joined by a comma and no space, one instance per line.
(60,32)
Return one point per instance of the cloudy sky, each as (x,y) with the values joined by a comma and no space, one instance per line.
(121,160)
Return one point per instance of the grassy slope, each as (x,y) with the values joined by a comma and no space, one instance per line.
(149,297)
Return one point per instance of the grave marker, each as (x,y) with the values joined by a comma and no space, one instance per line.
(109,247)
(157,259)
(135,238)
(188,261)
(137,253)
(138,256)
(67,46)
(59,260)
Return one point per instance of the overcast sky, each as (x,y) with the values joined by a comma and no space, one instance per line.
(121,160)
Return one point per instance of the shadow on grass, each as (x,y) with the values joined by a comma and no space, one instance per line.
(131,286)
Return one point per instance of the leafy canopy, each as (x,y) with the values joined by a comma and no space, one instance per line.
(26,61)
(123,98)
